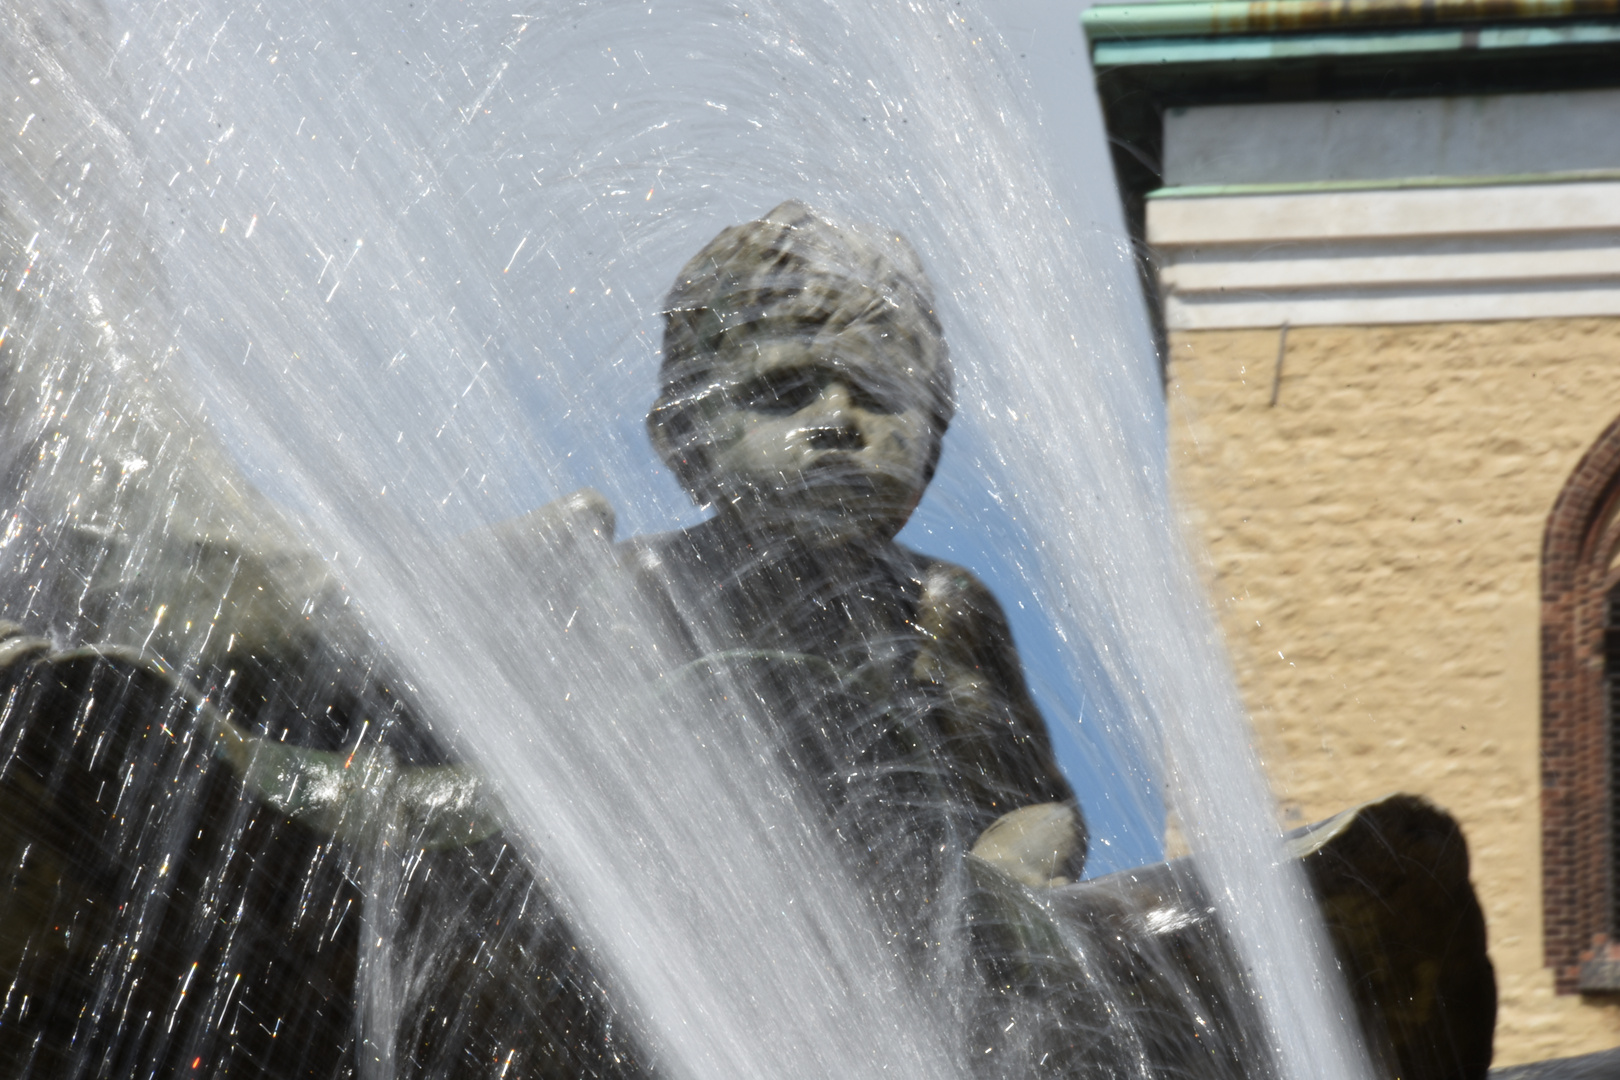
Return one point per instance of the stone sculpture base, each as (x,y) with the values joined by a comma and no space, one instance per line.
(157,919)
(1391,878)
(155,916)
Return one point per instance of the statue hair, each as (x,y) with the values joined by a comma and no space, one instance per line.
(793,263)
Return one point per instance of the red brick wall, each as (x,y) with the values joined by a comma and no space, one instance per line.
(1583,535)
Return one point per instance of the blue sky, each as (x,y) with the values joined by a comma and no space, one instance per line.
(531,256)
(960,519)
(961,522)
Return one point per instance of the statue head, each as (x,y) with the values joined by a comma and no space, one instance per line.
(806,383)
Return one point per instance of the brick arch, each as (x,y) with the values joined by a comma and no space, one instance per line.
(1577,803)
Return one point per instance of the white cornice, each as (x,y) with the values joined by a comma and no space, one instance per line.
(1397,255)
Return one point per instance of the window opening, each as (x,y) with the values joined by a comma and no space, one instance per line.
(1611,703)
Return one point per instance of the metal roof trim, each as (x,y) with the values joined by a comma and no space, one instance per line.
(1210,50)
(1204,191)
(1218,18)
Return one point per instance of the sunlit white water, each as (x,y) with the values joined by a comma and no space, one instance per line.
(408,262)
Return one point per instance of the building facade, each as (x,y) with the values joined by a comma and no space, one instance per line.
(1383,240)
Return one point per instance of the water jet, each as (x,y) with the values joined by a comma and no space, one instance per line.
(327,757)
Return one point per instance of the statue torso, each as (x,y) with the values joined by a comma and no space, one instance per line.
(907,668)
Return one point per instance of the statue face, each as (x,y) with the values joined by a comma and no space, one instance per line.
(828,435)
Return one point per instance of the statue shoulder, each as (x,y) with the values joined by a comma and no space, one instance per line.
(572,528)
(954,603)
(656,559)
(966,639)
(968,651)
(582,517)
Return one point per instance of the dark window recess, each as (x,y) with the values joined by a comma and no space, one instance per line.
(1600,966)
(1611,706)
(1580,725)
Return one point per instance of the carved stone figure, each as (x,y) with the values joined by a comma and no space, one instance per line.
(185,845)
(806,388)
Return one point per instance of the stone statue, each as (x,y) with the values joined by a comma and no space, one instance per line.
(805,390)
(806,387)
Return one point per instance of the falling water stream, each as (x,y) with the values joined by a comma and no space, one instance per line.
(397,268)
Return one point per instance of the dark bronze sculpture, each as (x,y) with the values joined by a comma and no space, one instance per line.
(185,862)
(806,388)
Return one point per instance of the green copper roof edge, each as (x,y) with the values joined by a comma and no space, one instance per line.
(1199,18)
(1199,191)
(1208,50)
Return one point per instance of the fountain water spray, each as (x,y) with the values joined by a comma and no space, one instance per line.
(406,265)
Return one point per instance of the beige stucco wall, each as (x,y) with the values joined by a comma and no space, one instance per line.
(1373,546)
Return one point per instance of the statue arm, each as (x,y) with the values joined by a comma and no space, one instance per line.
(1039,837)
(351,795)
(968,652)
(354,795)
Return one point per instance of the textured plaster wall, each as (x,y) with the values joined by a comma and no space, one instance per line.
(1373,547)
